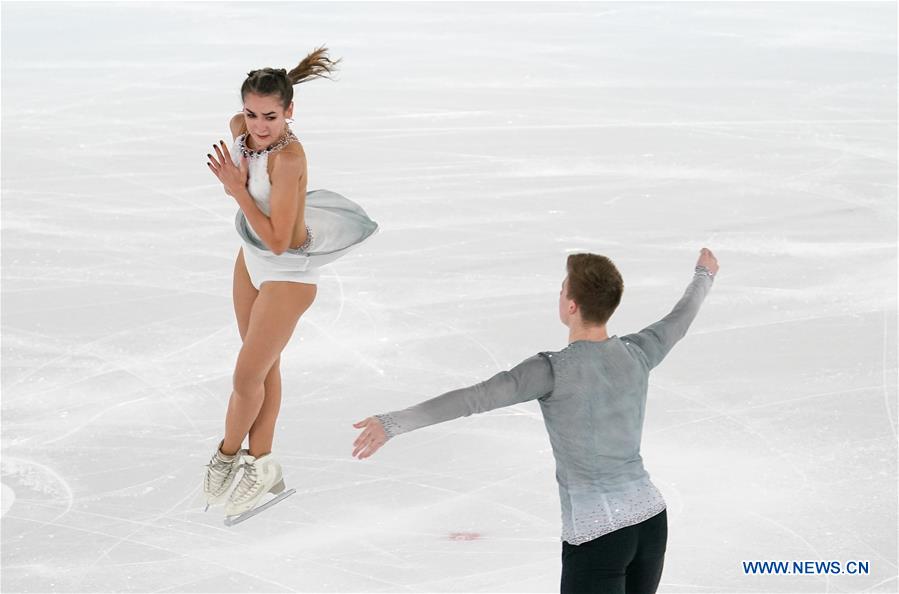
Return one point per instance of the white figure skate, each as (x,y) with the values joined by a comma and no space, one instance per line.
(261,475)
(220,474)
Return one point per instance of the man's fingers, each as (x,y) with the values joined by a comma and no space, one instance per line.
(370,440)
(368,448)
(372,448)
(365,435)
(359,448)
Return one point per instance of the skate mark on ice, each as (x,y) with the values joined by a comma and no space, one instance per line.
(8,497)
(33,475)
(883,369)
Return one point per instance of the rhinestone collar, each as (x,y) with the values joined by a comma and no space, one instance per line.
(282,142)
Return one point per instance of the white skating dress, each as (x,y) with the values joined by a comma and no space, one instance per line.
(335,224)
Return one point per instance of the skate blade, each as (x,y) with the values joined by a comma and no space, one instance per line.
(232,520)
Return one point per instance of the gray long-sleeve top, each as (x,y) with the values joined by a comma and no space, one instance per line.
(592,395)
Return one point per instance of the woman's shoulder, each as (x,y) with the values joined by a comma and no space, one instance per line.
(237,125)
(292,152)
(287,162)
(294,147)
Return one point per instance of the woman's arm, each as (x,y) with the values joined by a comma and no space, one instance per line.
(530,379)
(275,231)
(288,174)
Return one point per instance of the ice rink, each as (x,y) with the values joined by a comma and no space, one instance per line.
(489,141)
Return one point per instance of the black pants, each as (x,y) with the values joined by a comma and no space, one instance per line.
(626,561)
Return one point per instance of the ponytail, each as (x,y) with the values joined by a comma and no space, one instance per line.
(316,65)
(278,81)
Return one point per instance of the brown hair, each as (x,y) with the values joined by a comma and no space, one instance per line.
(595,284)
(278,81)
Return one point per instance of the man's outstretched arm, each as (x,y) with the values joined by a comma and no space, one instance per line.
(657,339)
(530,379)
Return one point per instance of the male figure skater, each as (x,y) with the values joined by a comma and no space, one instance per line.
(592,395)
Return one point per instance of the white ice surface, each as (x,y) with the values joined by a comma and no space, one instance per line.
(489,141)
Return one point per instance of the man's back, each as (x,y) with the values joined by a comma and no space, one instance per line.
(594,417)
(594,414)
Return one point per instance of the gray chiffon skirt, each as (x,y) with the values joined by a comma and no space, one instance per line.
(337,225)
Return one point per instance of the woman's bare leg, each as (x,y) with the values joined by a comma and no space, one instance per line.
(275,313)
(262,433)
(244,295)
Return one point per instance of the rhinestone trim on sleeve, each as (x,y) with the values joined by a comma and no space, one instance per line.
(703,271)
(391,427)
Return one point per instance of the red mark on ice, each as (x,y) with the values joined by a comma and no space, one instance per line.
(464,536)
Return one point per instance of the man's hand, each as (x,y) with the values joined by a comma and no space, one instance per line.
(708,259)
(371,439)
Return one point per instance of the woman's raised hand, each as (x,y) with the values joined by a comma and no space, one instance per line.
(371,439)
(233,178)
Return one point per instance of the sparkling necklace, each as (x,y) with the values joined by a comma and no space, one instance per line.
(282,142)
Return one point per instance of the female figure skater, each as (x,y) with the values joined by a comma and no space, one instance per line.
(287,235)
(592,394)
